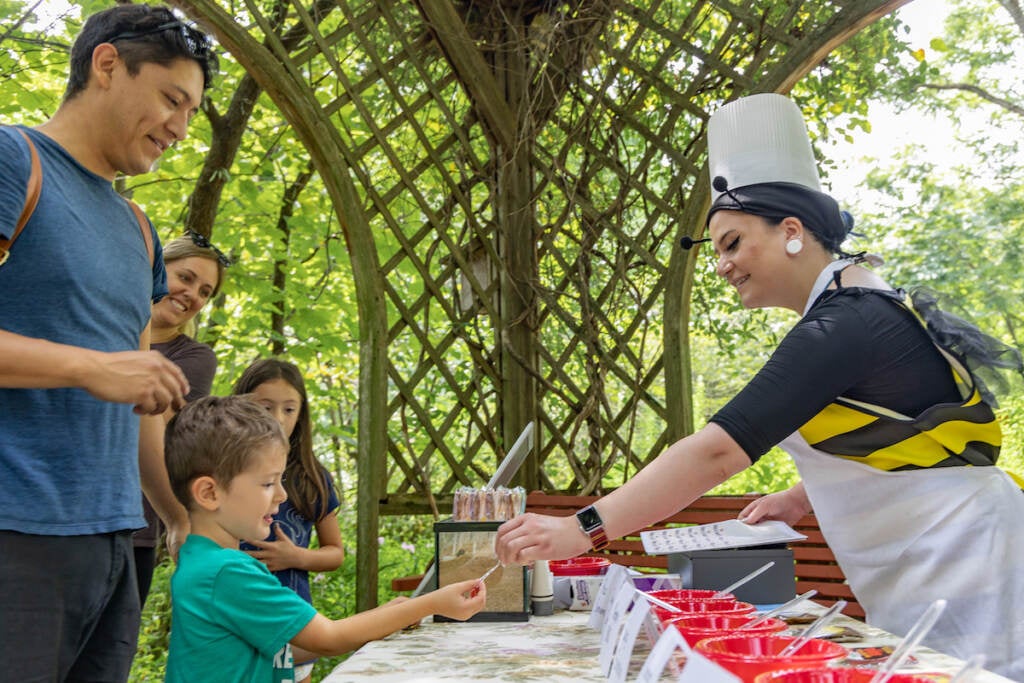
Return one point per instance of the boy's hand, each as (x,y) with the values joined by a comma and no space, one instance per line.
(461,600)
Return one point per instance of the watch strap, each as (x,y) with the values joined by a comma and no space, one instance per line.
(591,524)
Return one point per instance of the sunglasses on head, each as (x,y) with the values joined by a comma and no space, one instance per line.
(197,42)
(203,243)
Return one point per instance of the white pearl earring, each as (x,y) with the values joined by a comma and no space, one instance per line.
(794,246)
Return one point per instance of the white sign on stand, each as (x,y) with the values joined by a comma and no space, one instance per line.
(700,669)
(613,623)
(627,641)
(613,578)
(670,641)
(652,627)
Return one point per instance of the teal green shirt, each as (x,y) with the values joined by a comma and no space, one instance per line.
(231,619)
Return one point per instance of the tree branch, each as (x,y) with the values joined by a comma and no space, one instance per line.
(980,92)
(1013,7)
(21,20)
(228,128)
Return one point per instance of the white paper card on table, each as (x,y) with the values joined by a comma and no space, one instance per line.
(731,533)
(670,641)
(613,578)
(613,622)
(652,628)
(627,641)
(700,669)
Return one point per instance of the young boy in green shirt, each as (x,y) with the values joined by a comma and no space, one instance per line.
(232,620)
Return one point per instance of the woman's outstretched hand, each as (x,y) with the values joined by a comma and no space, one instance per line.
(786,506)
(529,537)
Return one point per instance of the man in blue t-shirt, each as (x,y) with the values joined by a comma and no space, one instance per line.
(75,370)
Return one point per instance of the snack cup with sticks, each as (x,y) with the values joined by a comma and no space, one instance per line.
(750,657)
(697,627)
(690,595)
(705,607)
(843,675)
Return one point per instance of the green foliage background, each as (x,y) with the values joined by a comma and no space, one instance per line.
(958,230)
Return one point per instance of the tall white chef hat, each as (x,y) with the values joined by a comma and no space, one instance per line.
(761,139)
(760,161)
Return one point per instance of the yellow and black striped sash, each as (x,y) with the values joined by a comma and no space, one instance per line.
(947,434)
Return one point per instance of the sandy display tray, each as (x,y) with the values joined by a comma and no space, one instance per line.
(465,550)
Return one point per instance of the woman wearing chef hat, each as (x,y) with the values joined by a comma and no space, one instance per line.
(877,399)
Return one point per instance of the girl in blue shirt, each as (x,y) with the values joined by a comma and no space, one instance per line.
(312,502)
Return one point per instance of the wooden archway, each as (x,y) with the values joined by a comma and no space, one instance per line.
(511,178)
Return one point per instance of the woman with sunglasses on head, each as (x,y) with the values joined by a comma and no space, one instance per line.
(195,272)
(875,395)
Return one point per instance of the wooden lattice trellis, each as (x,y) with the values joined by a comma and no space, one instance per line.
(512,178)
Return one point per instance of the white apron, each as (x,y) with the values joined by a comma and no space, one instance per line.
(907,538)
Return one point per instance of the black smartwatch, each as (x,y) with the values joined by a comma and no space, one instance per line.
(593,526)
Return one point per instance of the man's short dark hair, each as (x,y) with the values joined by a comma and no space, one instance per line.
(142,34)
(219,437)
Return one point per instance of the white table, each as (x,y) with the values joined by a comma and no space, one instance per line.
(556,649)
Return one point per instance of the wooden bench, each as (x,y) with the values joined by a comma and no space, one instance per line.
(816,566)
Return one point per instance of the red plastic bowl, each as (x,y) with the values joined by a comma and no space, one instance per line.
(579,566)
(689,594)
(749,657)
(695,628)
(842,675)
(730,608)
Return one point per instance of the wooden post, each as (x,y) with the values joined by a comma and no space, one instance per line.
(285,84)
(518,248)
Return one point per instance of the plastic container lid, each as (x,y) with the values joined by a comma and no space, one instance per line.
(579,566)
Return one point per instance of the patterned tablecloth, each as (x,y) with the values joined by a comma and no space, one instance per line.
(556,649)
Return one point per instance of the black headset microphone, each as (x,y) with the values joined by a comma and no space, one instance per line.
(688,242)
(721,185)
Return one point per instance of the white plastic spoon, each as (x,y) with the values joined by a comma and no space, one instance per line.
(972,667)
(660,603)
(752,575)
(490,571)
(779,610)
(816,626)
(913,638)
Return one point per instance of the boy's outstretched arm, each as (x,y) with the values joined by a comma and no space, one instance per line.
(326,637)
